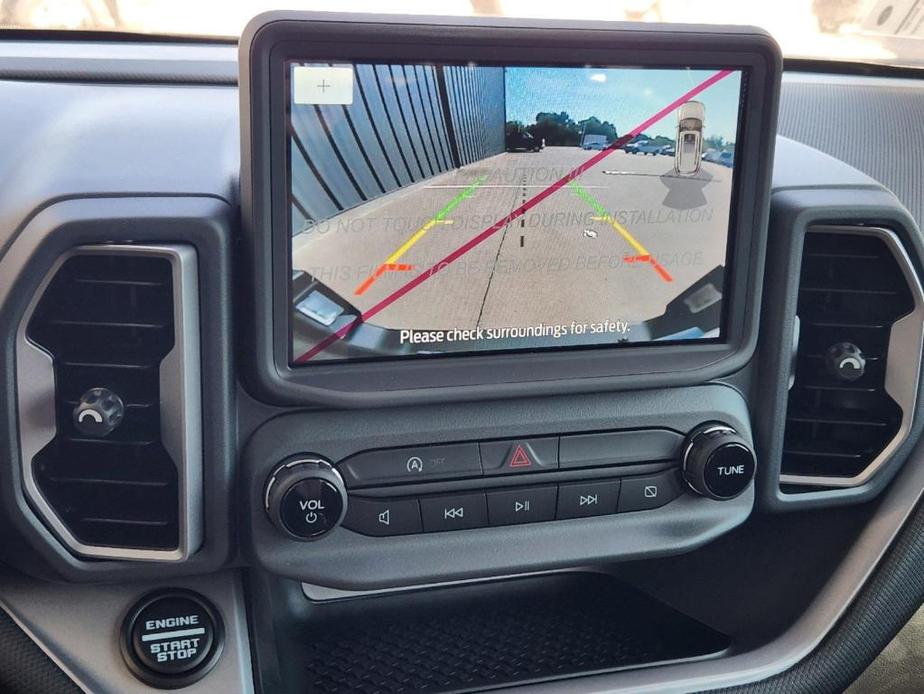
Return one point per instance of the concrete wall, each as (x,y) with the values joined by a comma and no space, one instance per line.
(406,124)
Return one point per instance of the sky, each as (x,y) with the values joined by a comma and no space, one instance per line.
(845,30)
(623,96)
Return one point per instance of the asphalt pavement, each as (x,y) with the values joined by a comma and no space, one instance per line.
(619,243)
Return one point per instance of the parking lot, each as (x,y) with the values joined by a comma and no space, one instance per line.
(618,243)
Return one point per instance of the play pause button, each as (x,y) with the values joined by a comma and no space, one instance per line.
(529,505)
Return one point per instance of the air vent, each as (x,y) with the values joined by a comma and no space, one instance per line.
(859,307)
(116,318)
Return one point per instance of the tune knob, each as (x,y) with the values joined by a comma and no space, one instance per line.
(305,498)
(717,461)
(99,413)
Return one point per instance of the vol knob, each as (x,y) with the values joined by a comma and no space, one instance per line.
(99,413)
(305,498)
(717,461)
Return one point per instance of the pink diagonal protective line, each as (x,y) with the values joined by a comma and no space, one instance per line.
(503,222)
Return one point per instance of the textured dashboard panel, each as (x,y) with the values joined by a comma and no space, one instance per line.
(872,124)
(103,140)
(24,668)
(520,631)
(886,604)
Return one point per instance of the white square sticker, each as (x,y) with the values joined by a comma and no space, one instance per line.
(322,85)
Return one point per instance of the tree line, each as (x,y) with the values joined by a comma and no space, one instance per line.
(560,130)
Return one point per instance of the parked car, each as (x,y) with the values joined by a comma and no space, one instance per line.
(691,117)
(646,147)
(598,142)
(726,159)
(523,142)
(668,150)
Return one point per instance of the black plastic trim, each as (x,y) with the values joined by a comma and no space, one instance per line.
(886,603)
(271,36)
(849,67)
(347,560)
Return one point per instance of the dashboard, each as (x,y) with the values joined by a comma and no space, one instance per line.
(393,353)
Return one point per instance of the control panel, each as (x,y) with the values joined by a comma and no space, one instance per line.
(478,484)
(360,499)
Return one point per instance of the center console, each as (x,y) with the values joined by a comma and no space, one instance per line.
(437,220)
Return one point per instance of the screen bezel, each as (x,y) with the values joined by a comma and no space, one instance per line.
(271,41)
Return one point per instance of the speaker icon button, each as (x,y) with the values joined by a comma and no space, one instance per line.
(383,517)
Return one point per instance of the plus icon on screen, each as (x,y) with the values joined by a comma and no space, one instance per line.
(322,84)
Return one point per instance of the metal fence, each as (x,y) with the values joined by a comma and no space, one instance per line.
(406,124)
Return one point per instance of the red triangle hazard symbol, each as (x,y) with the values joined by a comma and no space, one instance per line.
(520,458)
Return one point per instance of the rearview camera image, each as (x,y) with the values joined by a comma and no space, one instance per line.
(451,209)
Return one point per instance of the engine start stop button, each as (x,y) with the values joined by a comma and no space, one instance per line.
(172,638)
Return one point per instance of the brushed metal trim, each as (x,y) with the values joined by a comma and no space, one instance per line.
(180,405)
(321,594)
(903,362)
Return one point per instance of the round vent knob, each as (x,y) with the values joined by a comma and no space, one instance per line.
(845,361)
(99,413)
(717,461)
(305,498)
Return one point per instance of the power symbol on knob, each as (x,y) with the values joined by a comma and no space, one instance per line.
(305,498)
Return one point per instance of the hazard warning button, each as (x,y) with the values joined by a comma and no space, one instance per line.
(520,455)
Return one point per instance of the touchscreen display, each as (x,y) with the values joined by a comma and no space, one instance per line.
(441,209)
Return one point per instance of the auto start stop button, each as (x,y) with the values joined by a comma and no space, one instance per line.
(172,638)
